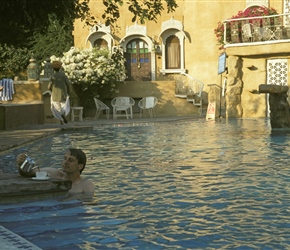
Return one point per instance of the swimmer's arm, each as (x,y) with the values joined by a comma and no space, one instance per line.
(53,172)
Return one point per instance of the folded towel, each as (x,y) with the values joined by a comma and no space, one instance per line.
(8,89)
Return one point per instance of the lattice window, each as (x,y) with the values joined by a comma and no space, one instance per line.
(286,11)
(277,72)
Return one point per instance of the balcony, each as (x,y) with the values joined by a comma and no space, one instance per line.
(257,30)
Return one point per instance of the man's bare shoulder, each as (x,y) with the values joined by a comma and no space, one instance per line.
(88,186)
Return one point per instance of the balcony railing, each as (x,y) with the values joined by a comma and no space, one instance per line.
(257,29)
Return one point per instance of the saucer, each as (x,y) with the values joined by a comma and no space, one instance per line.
(40,179)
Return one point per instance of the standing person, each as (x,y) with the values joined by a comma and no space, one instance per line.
(73,164)
(60,88)
(1,88)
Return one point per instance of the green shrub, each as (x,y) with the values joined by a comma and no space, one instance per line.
(13,61)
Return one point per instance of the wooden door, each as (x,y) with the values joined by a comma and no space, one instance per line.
(138,63)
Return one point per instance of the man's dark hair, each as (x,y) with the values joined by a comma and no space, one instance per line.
(80,155)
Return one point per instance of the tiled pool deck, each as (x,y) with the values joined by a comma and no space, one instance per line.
(22,135)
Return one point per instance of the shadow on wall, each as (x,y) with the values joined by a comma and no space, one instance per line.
(234,88)
(164,91)
(239,67)
(27,92)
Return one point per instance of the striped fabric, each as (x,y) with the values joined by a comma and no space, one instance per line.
(8,91)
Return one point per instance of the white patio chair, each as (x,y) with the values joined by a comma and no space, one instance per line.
(247,35)
(100,106)
(123,104)
(148,103)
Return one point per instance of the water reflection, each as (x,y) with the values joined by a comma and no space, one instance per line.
(85,198)
(179,185)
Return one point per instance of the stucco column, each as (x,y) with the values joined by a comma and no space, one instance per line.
(234,87)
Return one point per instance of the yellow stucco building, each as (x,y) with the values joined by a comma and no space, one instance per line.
(158,53)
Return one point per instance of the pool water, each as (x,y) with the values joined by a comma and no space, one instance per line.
(174,185)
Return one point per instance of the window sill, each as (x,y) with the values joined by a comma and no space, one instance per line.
(170,71)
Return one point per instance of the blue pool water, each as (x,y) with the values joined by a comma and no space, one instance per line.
(176,185)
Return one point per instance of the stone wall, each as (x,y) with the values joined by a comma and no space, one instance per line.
(247,67)
(28,106)
(15,115)
(27,92)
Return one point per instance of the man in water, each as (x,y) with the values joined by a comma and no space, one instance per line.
(73,164)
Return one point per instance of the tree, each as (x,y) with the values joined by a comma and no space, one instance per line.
(12,60)
(19,19)
(56,39)
(44,27)
(141,10)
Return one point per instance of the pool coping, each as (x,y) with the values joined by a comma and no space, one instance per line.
(12,241)
(25,134)
(14,187)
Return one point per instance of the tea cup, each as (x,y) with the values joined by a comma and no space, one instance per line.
(42,175)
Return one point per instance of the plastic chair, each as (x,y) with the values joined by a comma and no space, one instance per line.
(148,103)
(121,104)
(100,107)
(247,35)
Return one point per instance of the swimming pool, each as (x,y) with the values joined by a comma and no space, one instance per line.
(176,185)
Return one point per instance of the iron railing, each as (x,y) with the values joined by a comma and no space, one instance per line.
(257,29)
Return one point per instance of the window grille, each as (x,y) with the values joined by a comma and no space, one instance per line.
(277,72)
(286,11)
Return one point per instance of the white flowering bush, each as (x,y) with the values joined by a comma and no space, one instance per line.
(93,72)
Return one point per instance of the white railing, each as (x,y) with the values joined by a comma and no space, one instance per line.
(186,86)
(257,29)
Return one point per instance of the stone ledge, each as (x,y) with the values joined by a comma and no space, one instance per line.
(16,187)
(273,89)
(16,115)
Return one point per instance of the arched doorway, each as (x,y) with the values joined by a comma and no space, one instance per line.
(138,63)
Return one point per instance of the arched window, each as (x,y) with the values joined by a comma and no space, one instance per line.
(172,47)
(172,53)
(101,43)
